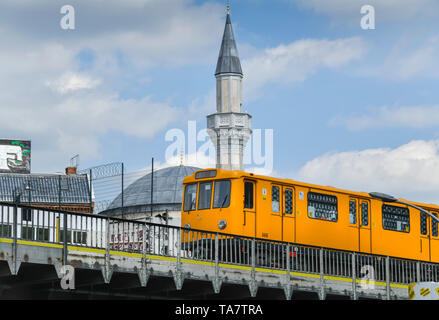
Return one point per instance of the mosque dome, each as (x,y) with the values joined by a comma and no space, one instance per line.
(167,192)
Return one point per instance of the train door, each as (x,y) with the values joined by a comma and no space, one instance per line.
(359,218)
(424,241)
(434,240)
(364,227)
(249,214)
(288,219)
(276,212)
(429,241)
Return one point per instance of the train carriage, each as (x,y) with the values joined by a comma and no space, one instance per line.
(249,205)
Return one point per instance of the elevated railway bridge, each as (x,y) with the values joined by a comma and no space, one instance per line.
(138,260)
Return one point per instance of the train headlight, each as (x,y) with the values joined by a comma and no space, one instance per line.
(187,226)
(222,224)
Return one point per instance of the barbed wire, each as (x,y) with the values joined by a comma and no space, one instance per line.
(103,171)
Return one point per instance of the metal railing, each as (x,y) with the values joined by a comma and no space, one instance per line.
(19,222)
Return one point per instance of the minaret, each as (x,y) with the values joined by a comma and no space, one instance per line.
(229,128)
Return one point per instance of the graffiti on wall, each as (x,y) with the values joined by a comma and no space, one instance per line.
(15,156)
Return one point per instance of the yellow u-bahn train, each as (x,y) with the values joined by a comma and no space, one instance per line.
(245,204)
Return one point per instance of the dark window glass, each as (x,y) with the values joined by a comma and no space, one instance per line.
(423,223)
(396,218)
(248,195)
(288,201)
(26,214)
(190,197)
(322,206)
(5,230)
(221,198)
(61,235)
(42,234)
(205,196)
(27,233)
(80,237)
(434,230)
(352,212)
(364,214)
(275,202)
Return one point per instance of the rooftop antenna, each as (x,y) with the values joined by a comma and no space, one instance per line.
(228,7)
(74,161)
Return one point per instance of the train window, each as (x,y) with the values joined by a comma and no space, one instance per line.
(248,195)
(43,234)
(275,203)
(26,214)
(205,196)
(288,201)
(27,233)
(364,214)
(434,231)
(423,223)
(80,237)
(190,197)
(5,230)
(396,218)
(61,235)
(322,206)
(352,211)
(221,197)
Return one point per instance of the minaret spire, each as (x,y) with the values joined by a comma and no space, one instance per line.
(229,128)
(228,60)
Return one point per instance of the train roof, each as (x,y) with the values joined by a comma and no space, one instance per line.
(236,174)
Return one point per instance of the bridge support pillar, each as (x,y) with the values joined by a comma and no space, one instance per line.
(107,269)
(13,262)
(322,290)
(217,281)
(178,273)
(288,289)
(253,285)
(354,295)
(143,271)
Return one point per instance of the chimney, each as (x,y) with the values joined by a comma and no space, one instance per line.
(70,170)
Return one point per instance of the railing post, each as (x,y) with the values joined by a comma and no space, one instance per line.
(13,265)
(388,278)
(65,253)
(418,271)
(322,292)
(217,282)
(287,287)
(178,274)
(144,272)
(107,271)
(354,276)
(253,286)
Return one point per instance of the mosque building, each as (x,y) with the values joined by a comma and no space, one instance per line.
(229,129)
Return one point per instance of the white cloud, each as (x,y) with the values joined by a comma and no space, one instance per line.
(409,171)
(297,61)
(386,9)
(70,81)
(65,110)
(418,117)
(404,62)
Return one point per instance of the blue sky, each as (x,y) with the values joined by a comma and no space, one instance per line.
(352,108)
